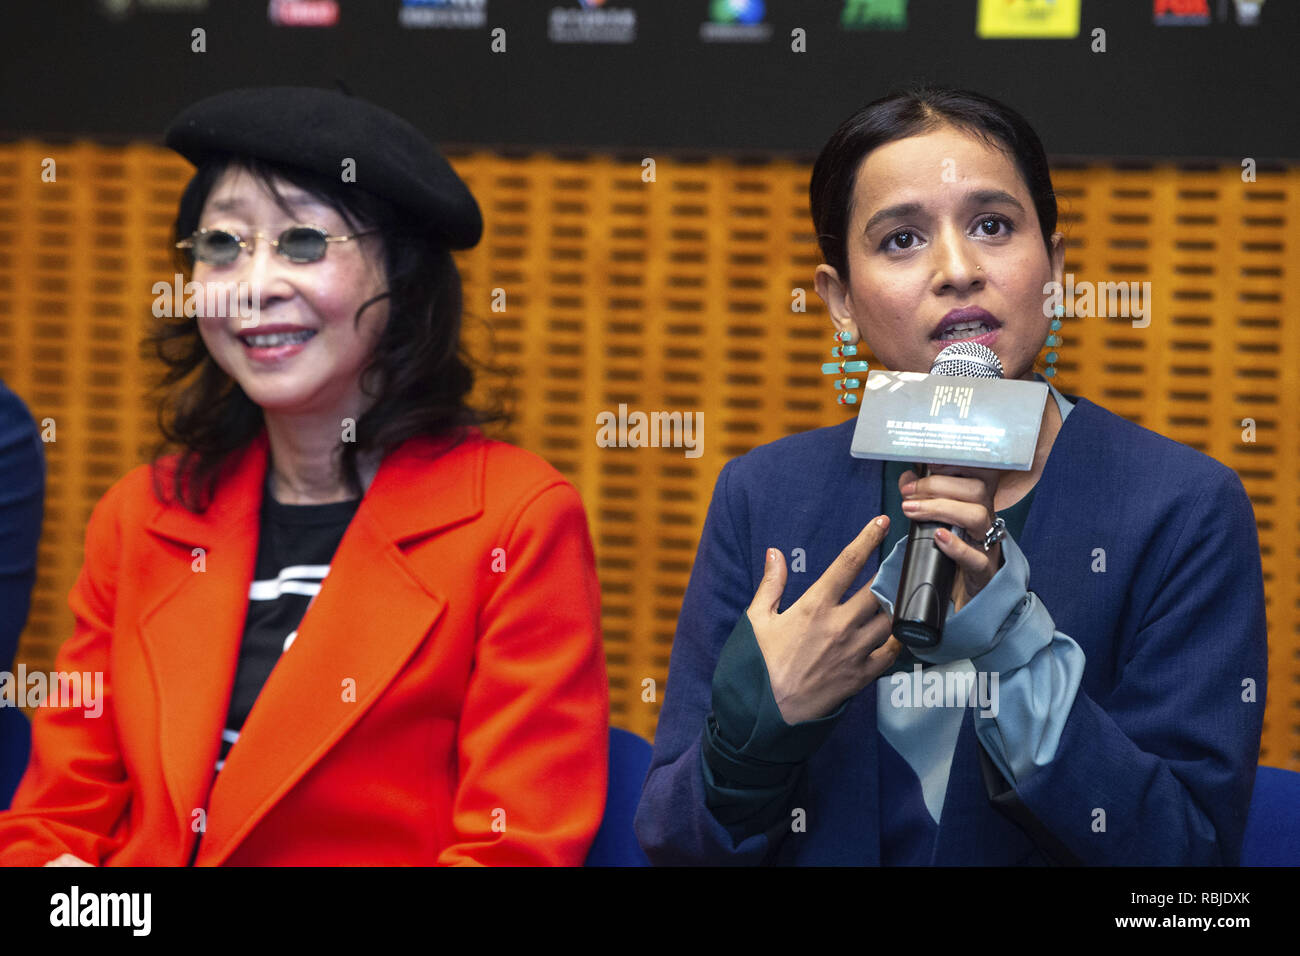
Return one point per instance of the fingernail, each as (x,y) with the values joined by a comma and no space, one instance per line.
(911,505)
(908,488)
(882,521)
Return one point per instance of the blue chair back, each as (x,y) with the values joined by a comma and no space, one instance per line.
(1273,826)
(615,843)
(15,747)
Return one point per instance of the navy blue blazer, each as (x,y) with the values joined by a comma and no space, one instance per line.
(22,504)
(1157,760)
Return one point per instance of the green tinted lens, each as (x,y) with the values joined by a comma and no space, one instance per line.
(216,248)
(302,244)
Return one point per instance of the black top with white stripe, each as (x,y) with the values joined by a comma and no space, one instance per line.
(296,545)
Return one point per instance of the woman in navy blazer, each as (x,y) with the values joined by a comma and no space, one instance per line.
(1119,700)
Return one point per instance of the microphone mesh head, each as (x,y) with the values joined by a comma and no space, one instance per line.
(969,359)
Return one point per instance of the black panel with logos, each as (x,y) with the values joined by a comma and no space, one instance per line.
(1178,78)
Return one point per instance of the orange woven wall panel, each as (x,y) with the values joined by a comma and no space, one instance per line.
(606,286)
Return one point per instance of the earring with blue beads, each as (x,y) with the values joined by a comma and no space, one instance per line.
(1053,343)
(844,386)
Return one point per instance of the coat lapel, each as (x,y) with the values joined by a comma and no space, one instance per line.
(854,758)
(871,474)
(372,613)
(191,634)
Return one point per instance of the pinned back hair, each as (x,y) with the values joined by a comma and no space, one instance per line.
(911,113)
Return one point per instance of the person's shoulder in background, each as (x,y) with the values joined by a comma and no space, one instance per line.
(22,457)
(22,502)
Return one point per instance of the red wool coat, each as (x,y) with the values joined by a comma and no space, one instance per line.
(445,700)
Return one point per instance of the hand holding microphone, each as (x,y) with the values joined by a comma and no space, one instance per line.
(940,497)
(962,496)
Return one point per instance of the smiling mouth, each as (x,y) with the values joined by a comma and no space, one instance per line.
(275,339)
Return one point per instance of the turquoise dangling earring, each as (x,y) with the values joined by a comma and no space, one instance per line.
(1053,342)
(843,385)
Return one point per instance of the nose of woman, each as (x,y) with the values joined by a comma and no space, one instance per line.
(956,263)
(256,280)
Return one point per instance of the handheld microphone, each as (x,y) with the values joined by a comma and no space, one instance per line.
(925,585)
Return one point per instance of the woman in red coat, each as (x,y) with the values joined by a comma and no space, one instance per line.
(337,625)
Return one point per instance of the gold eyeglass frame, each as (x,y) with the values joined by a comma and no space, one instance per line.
(245,244)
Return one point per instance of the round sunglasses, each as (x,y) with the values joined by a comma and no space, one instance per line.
(220,247)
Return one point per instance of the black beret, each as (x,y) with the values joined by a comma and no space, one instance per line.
(316,130)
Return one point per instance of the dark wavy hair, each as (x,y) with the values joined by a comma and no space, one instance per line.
(422,372)
(909,113)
